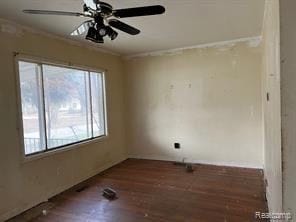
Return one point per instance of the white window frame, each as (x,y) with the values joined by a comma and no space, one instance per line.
(48,152)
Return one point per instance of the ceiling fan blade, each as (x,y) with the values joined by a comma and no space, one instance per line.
(91,4)
(45,12)
(123,27)
(82,28)
(139,11)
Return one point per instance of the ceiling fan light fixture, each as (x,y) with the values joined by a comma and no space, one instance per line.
(111,33)
(102,31)
(101,23)
(94,36)
(91,34)
(99,39)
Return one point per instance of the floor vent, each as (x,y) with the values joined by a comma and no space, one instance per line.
(80,189)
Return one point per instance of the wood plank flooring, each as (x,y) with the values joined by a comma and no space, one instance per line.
(163,192)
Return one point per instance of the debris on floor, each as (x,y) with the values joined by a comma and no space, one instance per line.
(39,211)
(109,193)
(189,168)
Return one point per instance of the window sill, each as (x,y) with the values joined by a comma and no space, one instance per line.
(48,153)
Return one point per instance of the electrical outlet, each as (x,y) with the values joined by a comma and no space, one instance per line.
(177,145)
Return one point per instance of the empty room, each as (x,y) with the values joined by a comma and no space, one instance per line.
(150,110)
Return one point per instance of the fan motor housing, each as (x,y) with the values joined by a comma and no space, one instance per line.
(106,8)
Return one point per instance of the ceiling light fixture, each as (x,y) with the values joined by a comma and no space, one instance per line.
(94,36)
(99,39)
(111,33)
(91,34)
(101,29)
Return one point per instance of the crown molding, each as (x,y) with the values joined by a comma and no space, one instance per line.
(251,41)
(18,29)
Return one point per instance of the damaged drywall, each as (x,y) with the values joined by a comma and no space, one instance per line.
(24,183)
(10,29)
(208,100)
(252,42)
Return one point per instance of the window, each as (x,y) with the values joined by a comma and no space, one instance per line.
(60,106)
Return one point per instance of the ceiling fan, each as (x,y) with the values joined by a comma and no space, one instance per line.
(103,18)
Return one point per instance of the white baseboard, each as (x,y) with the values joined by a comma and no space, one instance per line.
(195,161)
(16,211)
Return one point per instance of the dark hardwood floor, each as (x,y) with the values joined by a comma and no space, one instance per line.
(161,191)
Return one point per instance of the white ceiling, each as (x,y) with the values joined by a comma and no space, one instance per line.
(185,23)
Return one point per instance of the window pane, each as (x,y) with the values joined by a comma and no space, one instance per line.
(97,93)
(31,99)
(68,118)
(60,106)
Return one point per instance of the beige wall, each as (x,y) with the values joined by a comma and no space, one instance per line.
(288,96)
(271,108)
(207,99)
(23,185)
